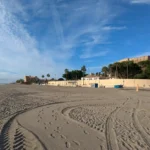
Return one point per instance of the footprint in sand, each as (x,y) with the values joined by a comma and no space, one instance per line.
(58,128)
(52,135)
(80,126)
(77,143)
(57,131)
(101,147)
(85,132)
(68,145)
(63,136)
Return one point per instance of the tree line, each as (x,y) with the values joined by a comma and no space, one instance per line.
(75,74)
(128,69)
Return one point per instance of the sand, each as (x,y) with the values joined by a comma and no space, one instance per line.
(59,118)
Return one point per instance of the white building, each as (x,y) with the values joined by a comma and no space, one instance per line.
(90,77)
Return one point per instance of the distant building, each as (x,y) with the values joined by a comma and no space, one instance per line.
(30,79)
(137,59)
(92,77)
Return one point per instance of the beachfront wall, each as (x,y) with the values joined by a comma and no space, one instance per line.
(104,83)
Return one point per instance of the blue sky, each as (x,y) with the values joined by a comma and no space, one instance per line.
(46,36)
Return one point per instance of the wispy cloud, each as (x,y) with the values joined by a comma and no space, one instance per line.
(8,76)
(91,54)
(19,51)
(109,28)
(37,37)
(7,72)
(88,61)
(57,23)
(140,1)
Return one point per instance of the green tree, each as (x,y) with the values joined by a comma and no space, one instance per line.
(144,64)
(147,71)
(97,73)
(105,71)
(43,76)
(73,75)
(66,74)
(20,81)
(66,71)
(145,67)
(141,76)
(83,69)
(48,75)
(124,69)
(60,79)
(37,79)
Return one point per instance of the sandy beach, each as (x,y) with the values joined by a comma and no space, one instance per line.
(58,118)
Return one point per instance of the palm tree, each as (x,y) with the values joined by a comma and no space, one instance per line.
(83,69)
(43,76)
(97,74)
(105,70)
(48,75)
(66,72)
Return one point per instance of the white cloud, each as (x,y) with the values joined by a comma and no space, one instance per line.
(19,52)
(6,77)
(91,54)
(140,1)
(69,25)
(57,23)
(88,61)
(109,28)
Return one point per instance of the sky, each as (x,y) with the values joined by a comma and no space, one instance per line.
(46,36)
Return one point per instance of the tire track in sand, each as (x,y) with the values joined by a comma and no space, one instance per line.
(138,125)
(16,137)
(110,134)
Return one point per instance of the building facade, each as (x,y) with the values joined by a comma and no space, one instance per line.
(137,59)
(92,77)
(107,83)
(29,79)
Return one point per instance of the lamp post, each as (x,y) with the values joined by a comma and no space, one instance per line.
(127,68)
(116,72)
(110,72)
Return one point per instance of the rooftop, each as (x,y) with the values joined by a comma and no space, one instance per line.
(91,76)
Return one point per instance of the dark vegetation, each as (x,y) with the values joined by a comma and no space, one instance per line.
(126,70)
